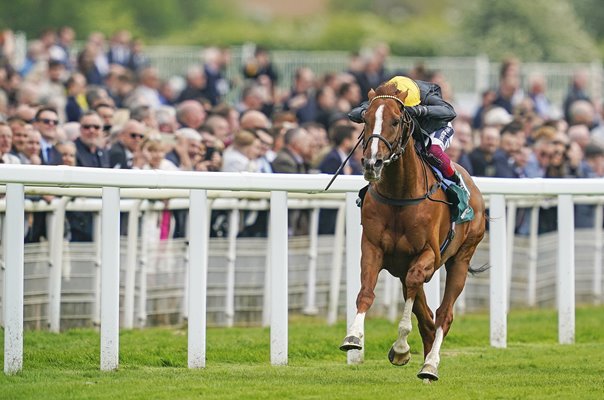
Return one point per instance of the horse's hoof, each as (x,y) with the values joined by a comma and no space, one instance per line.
(397,358)
(351,343)
(428,372)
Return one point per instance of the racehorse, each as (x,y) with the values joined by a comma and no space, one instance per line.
(406,220)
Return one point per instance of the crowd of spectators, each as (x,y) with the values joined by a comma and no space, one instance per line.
(106,106)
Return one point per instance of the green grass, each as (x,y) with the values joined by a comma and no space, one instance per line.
(153,363)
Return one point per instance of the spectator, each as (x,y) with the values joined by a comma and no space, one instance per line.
(68,153)
(464,143)
(19,129)
(119,48)
(165,116)
(6,138)
(487,99)
(190,114)
(344,140)
(260,65)
(46,122)
(216,84)
(61,50)
(577,91)
(188,151)
(31,150)
(254,97)
(76,97)
(482,157)
(536,92)
(121,153)
(301,99)
(293,158)
(148,87)
(242,155)
(219,126)
(508,92)
(89,153)
(505,158)
(197,85)
(138,58)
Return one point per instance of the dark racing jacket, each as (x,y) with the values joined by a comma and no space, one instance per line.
(438,112)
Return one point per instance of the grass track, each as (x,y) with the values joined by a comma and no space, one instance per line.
(153,364)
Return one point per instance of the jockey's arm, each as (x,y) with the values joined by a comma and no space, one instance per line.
(433,107)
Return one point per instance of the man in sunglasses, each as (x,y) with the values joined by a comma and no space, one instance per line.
(46,121)
(121,154)
(89,152)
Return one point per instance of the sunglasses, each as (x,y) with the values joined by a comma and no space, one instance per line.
(91,126)
(135,135)
(49,121)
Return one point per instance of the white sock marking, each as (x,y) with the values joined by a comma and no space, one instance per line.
(433,357)
(358,326)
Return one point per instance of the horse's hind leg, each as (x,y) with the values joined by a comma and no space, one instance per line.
(457,271)
(371,262)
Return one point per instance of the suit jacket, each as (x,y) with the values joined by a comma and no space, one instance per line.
(86,158)
(118,156)
(286,163)
(54,158)
(332,162)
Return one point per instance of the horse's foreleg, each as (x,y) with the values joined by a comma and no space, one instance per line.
(399,353)
(456,277)
(371,264)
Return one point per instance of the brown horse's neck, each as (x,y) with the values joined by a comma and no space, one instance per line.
(404,178)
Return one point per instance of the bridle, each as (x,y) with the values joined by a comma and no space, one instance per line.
(397,147)
(408,124)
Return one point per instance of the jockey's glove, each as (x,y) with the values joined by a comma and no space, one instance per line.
(417,111)
(356,114)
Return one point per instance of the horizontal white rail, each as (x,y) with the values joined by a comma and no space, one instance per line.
(280,187)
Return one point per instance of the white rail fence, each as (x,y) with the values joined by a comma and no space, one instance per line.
(198,184)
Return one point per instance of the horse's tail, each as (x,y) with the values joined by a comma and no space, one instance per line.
(476,271)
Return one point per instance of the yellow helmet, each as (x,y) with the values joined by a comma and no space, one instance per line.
(403,83)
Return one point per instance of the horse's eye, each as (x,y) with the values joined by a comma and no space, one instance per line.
(395,122)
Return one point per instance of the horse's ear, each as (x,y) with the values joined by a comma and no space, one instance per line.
(403,95)
(371,94)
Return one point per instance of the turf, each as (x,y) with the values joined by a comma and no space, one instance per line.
(153,363)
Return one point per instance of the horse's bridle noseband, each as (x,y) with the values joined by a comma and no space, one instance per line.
(406,121)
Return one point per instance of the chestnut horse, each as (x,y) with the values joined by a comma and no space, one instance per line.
(405,221)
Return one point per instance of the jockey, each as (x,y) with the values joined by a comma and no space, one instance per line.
(425,104)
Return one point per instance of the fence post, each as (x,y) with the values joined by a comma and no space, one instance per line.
(336,267)
(110,278)
(353,268)
(130,276)
(56,264)
(533,252)
(311,280)
(565,276)
(12,298)
(230,269)
(198,277)
(498,279)
(597,268)
(279,282)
